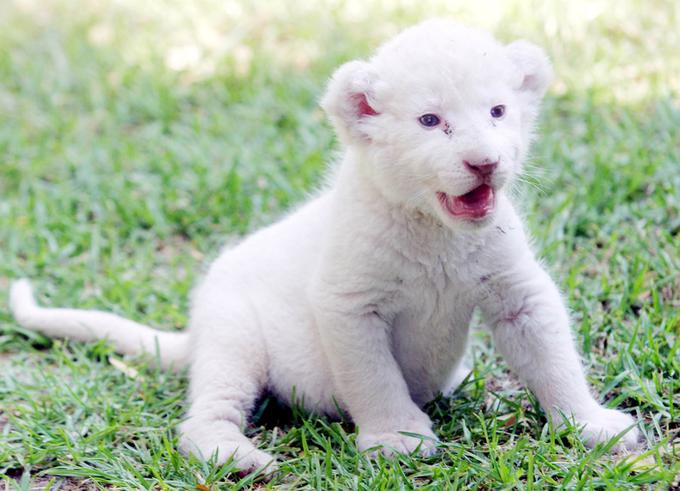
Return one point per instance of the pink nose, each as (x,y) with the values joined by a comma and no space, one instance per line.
(482,168)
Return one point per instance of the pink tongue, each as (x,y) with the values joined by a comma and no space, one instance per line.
(475,204)
(477,197)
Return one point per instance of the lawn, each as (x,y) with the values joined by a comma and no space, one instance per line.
(137,137)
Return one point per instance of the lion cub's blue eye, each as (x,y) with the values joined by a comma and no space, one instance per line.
(498,111)
(429,120)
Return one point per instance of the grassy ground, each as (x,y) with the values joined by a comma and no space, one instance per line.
(137,137)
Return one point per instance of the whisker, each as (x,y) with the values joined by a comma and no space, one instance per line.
(531,182)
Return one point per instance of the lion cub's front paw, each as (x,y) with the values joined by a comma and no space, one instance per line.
(420,440)
(601,425)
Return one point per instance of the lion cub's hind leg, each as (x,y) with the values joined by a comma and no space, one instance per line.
(228,373)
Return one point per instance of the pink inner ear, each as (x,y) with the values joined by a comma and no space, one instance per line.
(364,107)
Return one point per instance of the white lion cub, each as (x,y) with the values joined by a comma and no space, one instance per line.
(363,296)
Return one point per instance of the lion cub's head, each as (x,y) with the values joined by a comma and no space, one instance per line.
(441,117)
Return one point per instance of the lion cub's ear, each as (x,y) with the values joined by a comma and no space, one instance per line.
(534,67)
(350,100)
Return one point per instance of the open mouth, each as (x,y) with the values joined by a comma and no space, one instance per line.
(472,205)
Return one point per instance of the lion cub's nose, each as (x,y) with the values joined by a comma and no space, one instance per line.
(482,168)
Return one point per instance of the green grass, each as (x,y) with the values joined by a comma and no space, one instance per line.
(137,137)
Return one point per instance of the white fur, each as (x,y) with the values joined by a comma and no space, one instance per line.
(362,297)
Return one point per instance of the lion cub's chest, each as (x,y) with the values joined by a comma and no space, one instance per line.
(430,334)
(440,278)
(437,294)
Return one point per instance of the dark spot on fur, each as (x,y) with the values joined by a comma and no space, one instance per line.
(380,316)
(448,131)
(515,316)
(500,229)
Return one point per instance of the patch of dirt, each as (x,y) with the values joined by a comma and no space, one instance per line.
(505,384)
(5,358)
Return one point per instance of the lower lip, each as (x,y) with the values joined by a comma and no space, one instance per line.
(473,205)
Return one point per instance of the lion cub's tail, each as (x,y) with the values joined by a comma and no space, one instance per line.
(127,337)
